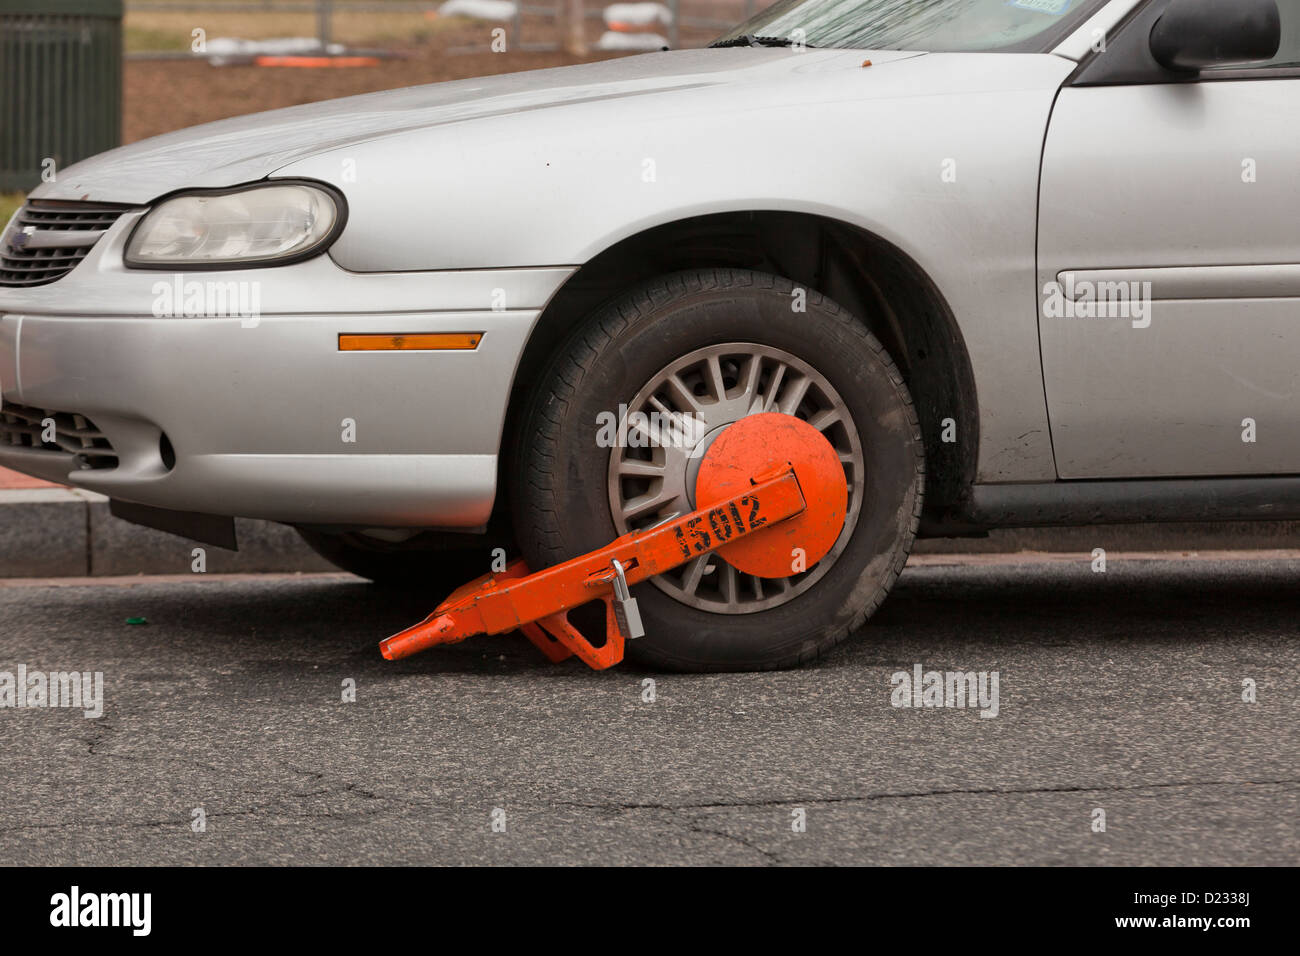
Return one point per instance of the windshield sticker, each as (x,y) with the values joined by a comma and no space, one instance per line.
(1053,7)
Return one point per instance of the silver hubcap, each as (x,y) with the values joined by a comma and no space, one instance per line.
(686,405)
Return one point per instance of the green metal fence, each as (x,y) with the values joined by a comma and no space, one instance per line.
(60,85)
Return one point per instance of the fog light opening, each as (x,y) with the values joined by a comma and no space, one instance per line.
(167,452)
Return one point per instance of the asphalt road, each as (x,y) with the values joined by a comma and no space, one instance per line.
(1119,691)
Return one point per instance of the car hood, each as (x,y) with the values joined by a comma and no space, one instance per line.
(249,148)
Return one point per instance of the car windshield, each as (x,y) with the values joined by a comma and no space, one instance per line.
(932,25)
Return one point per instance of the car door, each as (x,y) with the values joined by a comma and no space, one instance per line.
(1169,264)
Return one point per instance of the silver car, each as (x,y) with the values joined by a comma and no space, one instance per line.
(1038,260)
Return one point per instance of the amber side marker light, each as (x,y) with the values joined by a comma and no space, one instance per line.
(410,341)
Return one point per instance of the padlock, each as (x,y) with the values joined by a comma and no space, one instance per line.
(626,612)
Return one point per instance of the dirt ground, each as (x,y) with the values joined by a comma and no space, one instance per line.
(163,95)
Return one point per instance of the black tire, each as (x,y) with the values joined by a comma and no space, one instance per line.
(560,498)
(417,563)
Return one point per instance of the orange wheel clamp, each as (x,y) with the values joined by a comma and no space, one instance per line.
(771,492)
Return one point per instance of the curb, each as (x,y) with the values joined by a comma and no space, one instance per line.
(1181,536)
(67,532)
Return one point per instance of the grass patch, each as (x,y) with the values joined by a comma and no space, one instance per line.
(140,39)
(9,203)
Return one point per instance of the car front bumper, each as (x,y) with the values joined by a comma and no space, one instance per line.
(264,415)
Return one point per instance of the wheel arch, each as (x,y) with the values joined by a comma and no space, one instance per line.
(861,271)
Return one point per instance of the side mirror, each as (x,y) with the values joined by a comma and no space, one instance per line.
(1194,34)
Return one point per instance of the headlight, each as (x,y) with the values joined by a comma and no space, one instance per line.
(267,223)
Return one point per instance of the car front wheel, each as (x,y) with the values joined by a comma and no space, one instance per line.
(685,356)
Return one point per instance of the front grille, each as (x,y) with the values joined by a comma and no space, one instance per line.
(25,427)
(48,238)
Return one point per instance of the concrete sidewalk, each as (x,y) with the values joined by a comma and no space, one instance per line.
(53,531)
(50,530)
(59,532)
